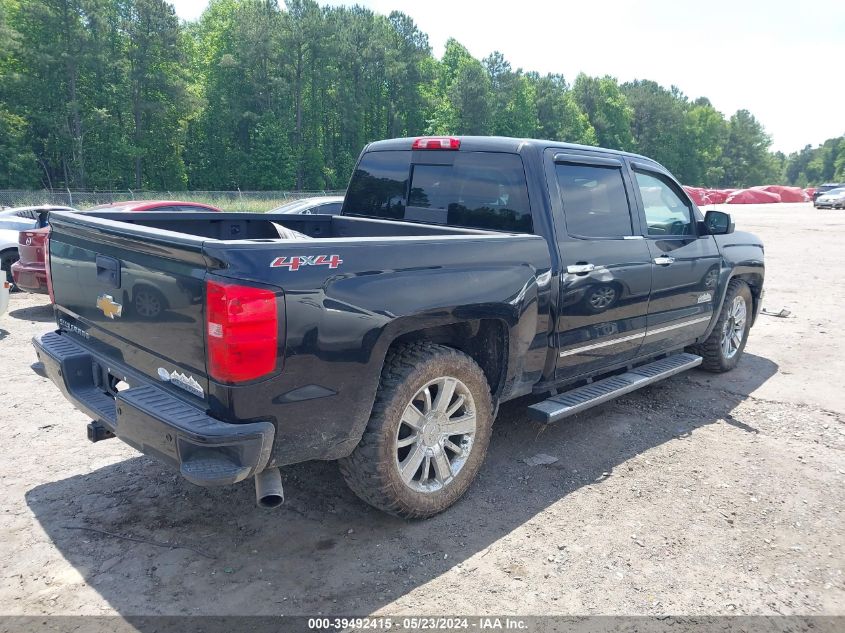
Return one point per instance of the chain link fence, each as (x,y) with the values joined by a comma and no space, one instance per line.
(255,201)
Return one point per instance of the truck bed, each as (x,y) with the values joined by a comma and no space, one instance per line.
(261,226)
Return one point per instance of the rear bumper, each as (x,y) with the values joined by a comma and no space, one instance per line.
(206,451)
(30,278)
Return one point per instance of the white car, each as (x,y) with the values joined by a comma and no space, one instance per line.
(833,199)
(320,205)
(5,286)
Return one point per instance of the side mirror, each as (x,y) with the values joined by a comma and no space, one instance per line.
(718,223)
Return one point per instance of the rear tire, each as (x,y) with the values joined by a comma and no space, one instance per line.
(428,433)
(724,346)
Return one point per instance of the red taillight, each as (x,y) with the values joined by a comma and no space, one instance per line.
(47,266)
(242,330)
(436,142)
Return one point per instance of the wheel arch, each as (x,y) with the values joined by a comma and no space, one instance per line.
(8,250)
(6,253)
(754,281)
(483,340)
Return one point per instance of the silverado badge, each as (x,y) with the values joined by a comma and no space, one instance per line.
(109,306)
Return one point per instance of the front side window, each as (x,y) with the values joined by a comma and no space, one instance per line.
(595,203)
(666,212)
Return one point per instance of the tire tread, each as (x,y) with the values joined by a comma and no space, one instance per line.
(363,468)
(710,349)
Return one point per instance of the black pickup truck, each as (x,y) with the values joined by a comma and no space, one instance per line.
(461,273)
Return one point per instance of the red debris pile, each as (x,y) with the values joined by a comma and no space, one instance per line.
(752,196)
(698,195)
(718,196)
(787,194)
(762,194)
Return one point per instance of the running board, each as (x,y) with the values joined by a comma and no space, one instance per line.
(572,402)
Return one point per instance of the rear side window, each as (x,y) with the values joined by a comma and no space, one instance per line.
(483,190)
(379,185)
(490,192)
(595,203)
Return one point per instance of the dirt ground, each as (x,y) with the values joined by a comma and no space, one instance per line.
(704,494)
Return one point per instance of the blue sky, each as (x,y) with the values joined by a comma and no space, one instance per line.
(769,57)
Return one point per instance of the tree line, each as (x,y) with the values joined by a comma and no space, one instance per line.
(116,94)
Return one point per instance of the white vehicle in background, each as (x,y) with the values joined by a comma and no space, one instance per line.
(10,228)
(832,199)
(5,286)
(319,205)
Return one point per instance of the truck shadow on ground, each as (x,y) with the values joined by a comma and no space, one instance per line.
(325,551)
(42,313)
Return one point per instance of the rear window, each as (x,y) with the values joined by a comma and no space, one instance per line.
(480,190)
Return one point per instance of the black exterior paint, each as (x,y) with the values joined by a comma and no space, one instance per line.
(396,279)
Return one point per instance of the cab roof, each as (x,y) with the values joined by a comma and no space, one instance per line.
(499,144)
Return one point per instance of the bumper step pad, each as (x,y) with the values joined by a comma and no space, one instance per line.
(577,400)
(207,451)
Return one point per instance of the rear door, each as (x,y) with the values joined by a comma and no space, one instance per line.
(606,265)
(686,265)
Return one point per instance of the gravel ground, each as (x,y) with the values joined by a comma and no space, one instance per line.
(704,494)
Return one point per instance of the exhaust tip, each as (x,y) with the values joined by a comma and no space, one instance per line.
(269,493)
(271,501)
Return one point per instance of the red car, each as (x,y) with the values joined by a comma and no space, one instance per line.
(29,272)
(154,205)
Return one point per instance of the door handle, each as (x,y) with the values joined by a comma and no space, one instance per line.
(580,269)
(664,260)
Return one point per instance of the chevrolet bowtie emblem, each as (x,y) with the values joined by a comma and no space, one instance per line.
(109,306)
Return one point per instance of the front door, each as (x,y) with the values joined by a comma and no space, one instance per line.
(606,265)
(686,265)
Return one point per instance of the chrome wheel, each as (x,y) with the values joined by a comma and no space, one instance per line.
(435,435)
(734,328)
(602,298)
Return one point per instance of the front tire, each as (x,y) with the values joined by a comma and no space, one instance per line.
(428,433)
(724,346)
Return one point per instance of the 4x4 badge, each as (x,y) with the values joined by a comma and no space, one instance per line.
(297,261)
(109,306)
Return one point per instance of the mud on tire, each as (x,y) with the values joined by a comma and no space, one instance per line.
(711,349)
(373,471)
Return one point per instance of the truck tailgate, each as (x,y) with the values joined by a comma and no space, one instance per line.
(133,296)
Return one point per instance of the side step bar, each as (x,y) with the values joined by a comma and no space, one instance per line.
(572,402)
